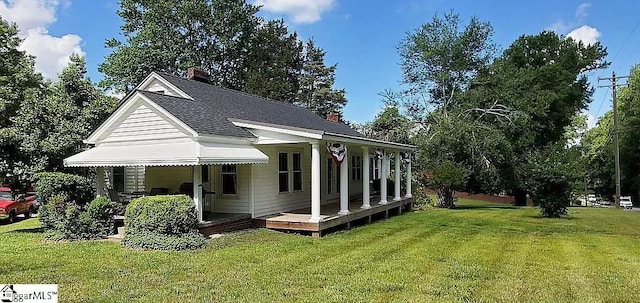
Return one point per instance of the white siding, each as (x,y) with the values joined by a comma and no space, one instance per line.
(267,199)
(232,203)
(142,123)
(355,186)
(159,87)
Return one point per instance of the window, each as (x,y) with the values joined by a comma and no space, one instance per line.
(297,171)
(374,172)
(205,173)
(229,179)
(118,179)
(283,172)
(356,168)
(338,177)
(329,175)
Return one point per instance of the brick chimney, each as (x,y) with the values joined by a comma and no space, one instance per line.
(333,117)
(194,73)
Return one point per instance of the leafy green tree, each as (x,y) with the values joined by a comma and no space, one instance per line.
(19,83)
(439,62)
(274,63)
(171,36)
(629,109)
(440,59)
(549,176)
(317,81)
(543,78)
(389,125)
(598,155)
(52,127)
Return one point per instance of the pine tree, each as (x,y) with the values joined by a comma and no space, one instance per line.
(316,83)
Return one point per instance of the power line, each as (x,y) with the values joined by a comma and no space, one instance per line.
(601,102)
(625,42)
(614,85)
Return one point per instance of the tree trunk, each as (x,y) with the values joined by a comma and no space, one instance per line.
(446,197)
(520,196)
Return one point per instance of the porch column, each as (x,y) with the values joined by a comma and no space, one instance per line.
(396,196)
(383,179)
(379,166)
(100,181)
(366,199)
(315,182)
(408,195)
(344,185)
(197,190)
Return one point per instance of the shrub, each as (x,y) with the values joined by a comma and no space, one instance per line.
(66,220)
(162,223)
(446,178)
(52,212)
(78,189)
(551,174)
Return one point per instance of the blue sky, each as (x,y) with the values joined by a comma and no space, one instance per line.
(360,36)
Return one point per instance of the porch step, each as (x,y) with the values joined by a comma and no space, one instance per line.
(117,237)
(225,223)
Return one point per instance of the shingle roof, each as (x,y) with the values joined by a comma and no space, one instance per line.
(212,106)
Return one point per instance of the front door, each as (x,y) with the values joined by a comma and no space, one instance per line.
(207,181)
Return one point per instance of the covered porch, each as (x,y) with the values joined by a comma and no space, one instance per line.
(179,167)
(299,220)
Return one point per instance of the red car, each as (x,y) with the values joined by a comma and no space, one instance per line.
(11,206)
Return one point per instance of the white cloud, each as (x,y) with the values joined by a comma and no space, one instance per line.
(29,14)
(559,27)
(587,34)
(582,11)
(302,11)
(33,17)
(52,53)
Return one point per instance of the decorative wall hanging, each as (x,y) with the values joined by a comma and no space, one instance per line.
(406,157)
(337,151)
(377,153)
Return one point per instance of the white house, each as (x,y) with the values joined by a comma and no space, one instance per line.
(242,154)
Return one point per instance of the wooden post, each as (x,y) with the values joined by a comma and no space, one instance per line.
(100,182)
(344,186)
(315,183)
(383,180)
(366,198)
(197,190)
(396,193)
(408,177)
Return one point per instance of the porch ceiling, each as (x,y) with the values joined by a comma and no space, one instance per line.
(167,154)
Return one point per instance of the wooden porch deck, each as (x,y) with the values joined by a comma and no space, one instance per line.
(298,220)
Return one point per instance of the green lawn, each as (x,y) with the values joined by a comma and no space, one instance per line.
(477,253)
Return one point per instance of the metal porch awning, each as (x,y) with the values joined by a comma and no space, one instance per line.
(167,154)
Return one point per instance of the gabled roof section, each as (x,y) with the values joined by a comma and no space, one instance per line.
(212,107)
(202,116)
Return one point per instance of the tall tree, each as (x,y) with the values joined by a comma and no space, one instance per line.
(317,81)
(171,36)
(543,78)
(52,127)
(439,61)
(18,83)
(629,108)
(273,65)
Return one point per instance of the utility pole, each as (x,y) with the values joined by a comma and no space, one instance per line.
(614,85)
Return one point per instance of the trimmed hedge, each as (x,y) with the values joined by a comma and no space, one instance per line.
(162,223)
(76,188)
(66,220)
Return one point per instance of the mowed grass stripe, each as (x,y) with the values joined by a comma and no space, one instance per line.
(478,253)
